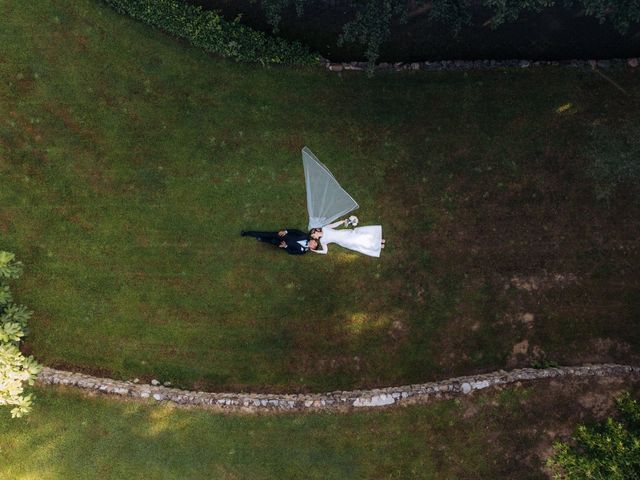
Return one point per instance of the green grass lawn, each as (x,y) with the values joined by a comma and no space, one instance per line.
(506,434)
(130,162)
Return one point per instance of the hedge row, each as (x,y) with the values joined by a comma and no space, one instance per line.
(208,30)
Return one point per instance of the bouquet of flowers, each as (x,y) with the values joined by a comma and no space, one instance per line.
(352,221)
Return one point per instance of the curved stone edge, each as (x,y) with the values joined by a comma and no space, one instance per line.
(632,62)
(338,400)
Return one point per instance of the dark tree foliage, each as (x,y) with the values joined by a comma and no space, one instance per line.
(273,9)
(372,20)
(372,25)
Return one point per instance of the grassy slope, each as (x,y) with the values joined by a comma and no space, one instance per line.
(504,434)
(130,162)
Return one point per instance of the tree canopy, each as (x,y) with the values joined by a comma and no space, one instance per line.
(372,20)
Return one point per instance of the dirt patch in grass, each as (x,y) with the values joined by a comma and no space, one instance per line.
(63,114)
(26,126)
(556,274)
(522,423)
(89,370)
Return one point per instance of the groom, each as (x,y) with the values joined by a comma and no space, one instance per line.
(292,241)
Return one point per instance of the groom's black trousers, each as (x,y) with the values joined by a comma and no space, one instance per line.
(268,237)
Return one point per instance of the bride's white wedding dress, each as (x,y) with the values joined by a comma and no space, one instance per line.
(365,240)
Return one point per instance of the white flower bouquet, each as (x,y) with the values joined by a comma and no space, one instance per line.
(352,221)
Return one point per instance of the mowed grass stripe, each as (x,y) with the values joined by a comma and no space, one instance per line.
(130,162)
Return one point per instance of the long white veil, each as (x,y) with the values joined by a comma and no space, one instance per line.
(326,199)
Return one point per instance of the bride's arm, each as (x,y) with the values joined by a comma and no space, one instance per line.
(337,224)
(323,250)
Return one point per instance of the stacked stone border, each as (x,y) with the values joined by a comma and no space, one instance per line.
(336,401)
(632,62)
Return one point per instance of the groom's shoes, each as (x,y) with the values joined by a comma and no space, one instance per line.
(243,233)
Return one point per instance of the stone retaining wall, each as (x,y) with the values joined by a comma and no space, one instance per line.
(339,400)
(484,64)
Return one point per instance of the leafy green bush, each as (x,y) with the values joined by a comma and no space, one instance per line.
(16,370)
(208,30)
(607,451)
(9,267)
(615,158)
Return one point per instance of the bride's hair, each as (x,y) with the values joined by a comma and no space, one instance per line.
(314,230)
(318,244)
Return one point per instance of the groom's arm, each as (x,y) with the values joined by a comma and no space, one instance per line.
(298,234)
(293,248)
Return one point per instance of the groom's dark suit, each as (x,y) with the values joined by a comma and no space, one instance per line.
(291,239)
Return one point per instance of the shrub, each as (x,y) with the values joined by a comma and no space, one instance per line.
(606,451)
(16,370)
(209,31)
(9,267)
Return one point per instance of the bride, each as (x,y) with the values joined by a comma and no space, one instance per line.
(367,240)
